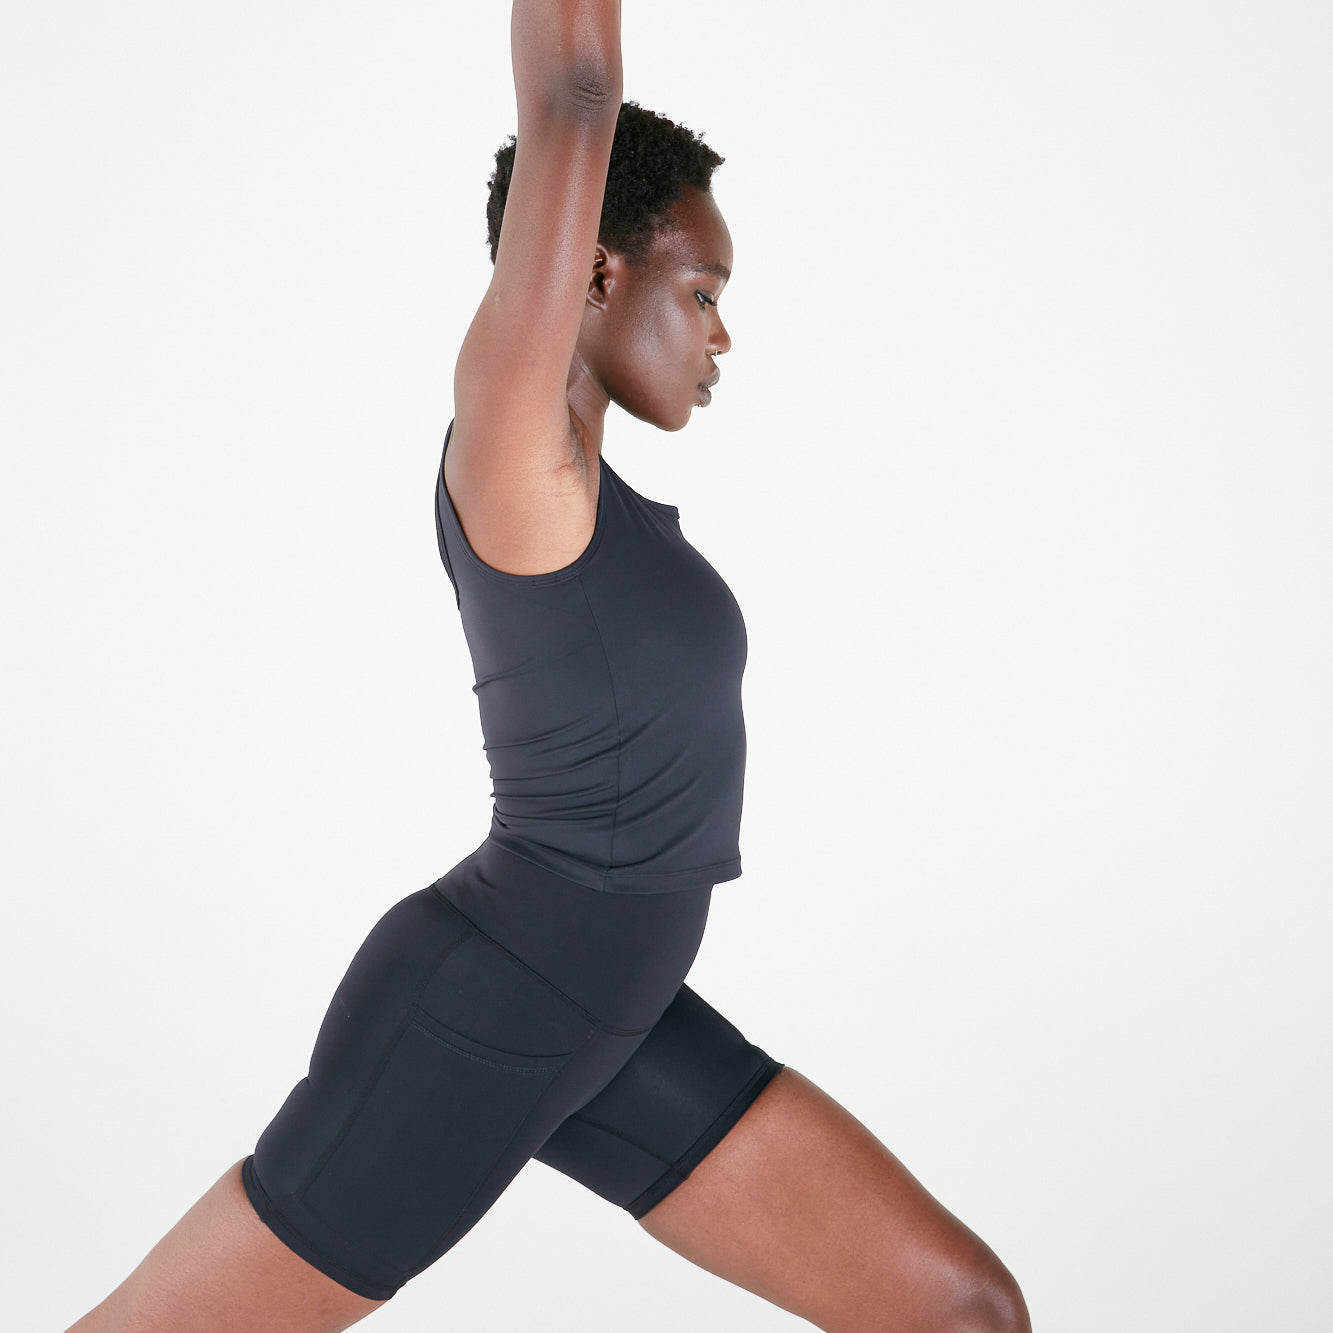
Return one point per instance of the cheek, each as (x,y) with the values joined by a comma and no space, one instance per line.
(674,334)
(657,342)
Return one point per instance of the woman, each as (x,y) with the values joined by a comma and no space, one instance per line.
(530,1003)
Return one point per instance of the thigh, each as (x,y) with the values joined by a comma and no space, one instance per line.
(677,1096)
(802,1205)
(456,1042)
(442,1064)
(220,1270)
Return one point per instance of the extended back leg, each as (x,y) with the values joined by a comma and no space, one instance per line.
(221,1270)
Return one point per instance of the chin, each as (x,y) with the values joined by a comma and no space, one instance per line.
(656,417)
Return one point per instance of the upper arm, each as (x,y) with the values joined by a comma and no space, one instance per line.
(513,470)
(517,352)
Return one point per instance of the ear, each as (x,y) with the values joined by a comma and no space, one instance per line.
(605,272)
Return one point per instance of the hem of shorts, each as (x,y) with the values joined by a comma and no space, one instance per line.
(299,1244)
(679,1170)
(620,881)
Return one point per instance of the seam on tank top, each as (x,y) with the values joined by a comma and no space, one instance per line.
(528,670)
(369,1086)
(620,730)
(592,1018)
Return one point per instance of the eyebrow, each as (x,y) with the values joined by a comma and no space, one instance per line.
(719,270)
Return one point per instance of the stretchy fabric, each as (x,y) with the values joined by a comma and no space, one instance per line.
(531,1001)
(665,1111)
(610,699)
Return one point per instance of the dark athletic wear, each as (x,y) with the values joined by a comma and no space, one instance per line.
(530,1002)
(610,697)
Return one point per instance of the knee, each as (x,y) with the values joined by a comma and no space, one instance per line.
(962,1288)
(987,1300)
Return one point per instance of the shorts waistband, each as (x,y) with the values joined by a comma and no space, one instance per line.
(598,948)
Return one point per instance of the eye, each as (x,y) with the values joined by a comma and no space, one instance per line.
(705,299)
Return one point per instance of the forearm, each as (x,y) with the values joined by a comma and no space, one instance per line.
(567,50)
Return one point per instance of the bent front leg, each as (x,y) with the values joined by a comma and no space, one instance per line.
(803,1206)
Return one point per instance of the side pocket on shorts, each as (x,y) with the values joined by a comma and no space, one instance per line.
(446,1112)
(511,1062)
(492,1006)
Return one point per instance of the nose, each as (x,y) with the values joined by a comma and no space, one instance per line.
(721,340)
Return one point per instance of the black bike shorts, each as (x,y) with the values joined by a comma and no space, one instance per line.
(502,1014)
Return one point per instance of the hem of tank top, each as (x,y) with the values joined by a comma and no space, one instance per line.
(610,880)
(671,881)
(560,575)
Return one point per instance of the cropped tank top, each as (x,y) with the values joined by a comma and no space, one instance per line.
(610,699)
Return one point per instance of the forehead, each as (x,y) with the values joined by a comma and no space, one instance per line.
(697,239)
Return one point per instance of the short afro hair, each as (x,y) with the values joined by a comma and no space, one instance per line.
(652,160)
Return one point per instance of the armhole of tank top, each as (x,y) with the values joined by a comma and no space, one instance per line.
(475,561)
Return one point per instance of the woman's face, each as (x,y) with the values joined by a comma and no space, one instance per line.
(658,329)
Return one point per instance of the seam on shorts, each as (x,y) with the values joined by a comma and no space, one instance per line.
(369,1086)
(624,1138)
(592,1018)
(552,1061)
(709,1139)
(504,1147)
(272,1216)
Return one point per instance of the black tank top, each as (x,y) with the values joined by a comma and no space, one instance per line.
(610,698)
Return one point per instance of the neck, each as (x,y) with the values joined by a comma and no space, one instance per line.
(588,402)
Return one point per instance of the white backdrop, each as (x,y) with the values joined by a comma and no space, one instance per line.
(1020,469)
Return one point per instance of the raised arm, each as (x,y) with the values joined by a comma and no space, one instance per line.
(515,470)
